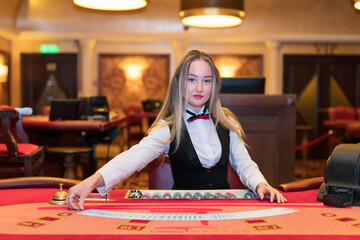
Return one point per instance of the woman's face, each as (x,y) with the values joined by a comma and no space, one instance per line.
(199,84)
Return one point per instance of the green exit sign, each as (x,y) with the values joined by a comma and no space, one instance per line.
(46,48)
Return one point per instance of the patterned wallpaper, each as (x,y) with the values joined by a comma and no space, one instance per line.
(238,65)
(130,79)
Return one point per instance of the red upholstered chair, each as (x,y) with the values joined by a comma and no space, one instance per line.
(339,118)
(353,129)
(341,112)
(160,175)
(134,124)
(18,158)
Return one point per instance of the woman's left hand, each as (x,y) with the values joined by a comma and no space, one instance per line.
(263,190)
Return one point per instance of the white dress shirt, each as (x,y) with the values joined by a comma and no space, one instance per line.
(206,143)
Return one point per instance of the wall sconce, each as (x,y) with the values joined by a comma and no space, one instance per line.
(227,71)
(4,70)
(133,72)
(111,5)
(212,13)
(357,4)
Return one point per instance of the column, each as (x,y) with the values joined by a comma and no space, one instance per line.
(86,67)
(273,68)
(15,78)
(180,49)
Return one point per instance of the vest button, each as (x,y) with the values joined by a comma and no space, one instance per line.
(209,171)
(210,184)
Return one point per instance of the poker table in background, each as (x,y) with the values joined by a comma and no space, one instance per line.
(42,131)
(26,214)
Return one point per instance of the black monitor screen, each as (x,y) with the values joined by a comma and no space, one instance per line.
(245,85)
(64,109)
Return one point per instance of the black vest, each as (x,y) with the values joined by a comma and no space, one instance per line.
(186,167)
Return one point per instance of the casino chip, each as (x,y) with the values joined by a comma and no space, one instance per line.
(146,195)
(135,194)
(249,195)
(167,195)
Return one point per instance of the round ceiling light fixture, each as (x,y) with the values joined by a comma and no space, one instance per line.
(357,4)
(212,13)
(111,5)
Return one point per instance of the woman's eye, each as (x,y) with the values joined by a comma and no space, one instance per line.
(207,80)
(191,79)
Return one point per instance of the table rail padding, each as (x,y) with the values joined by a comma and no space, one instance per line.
(36,182)
(301,185)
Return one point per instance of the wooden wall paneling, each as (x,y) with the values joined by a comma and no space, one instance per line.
(269,122)
(337,83)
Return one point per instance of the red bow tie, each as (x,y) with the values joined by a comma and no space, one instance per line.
(201,116)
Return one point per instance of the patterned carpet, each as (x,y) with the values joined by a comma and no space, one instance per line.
(139,180)
(313,168)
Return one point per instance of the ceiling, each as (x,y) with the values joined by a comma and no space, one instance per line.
(269,19)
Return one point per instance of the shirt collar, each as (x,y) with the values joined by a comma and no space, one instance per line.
(187,115)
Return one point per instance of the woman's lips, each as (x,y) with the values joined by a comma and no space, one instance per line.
(198,96)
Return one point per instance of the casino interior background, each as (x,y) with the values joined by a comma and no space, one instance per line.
(304,47)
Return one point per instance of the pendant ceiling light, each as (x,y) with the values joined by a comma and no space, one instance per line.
(357,4)
(111,5)
(212,13)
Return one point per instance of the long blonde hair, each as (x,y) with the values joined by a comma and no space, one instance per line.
(175,102)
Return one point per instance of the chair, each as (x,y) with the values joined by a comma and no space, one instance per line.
(18,158)
(160,175)
(353,131)
(67,109)
(339,118)
(69,162)
(152,105)
(134,124)
(341,112)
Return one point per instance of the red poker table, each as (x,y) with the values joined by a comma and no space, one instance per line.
(27,214)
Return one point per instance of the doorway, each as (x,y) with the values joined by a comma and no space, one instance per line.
(321,82)
(47,76)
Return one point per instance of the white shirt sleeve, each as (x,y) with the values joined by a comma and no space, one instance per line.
(135,159)
(242,163)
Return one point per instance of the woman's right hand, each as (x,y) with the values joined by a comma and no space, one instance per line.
(77,194)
